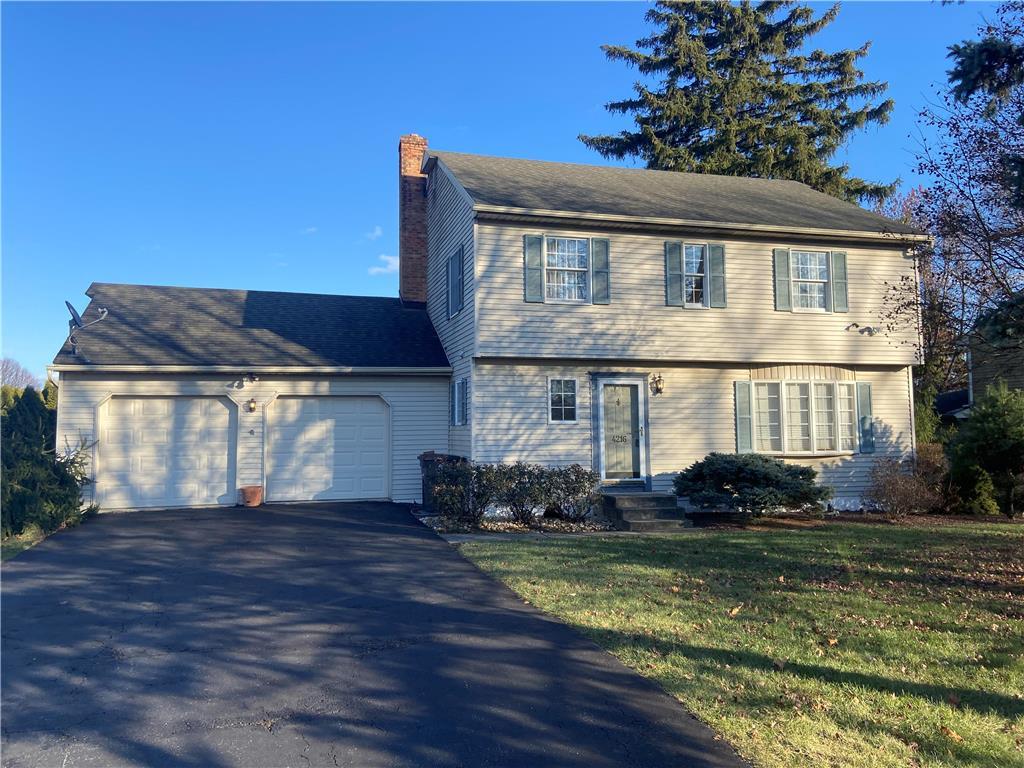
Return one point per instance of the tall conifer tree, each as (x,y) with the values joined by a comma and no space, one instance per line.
(736,93)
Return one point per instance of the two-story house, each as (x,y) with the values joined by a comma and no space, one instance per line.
(627,320)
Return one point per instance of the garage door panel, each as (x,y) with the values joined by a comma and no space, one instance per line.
(327,448)
(167,452)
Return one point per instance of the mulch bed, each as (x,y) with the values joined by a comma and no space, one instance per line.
(499,525)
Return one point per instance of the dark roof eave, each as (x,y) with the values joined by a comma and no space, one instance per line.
(506,213)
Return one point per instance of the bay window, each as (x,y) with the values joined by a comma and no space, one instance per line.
(804,417)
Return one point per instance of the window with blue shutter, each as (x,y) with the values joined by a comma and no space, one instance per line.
(840,299)
(674,274)
(533,268)
(744,417)
(716,275)
(601,292)
(867,419)
(456,282)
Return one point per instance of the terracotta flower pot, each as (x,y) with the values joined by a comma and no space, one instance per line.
(252,495)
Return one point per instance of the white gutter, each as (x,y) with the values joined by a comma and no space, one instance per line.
(697,223)
(242,370)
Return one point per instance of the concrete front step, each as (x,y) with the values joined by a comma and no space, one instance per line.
(651,526)
(648,512)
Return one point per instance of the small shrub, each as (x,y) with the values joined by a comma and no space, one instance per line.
(463,491)
(972,490)
(521,490)
(749,483)
(570,492)
(898,490)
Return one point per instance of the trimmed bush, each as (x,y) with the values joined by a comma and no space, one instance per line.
(750,483)
(570,492)
(463,491)
(521,490)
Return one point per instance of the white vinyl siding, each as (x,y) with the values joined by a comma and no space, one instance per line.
(694,394)
(417,407)
(640,325)
(451,229)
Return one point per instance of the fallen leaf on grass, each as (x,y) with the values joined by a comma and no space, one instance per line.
(736,610)
(951,734)
(833,642)
(779,664)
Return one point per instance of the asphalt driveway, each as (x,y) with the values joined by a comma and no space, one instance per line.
(334,635)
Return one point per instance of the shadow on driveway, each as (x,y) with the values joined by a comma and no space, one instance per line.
(326,634)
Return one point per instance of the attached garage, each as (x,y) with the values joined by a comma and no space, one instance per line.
(321,448)
(166,452)
(187,395)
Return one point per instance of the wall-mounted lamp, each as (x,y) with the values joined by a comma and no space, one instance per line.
(251,405)
(657,384)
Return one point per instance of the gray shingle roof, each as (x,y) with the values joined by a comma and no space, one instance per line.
(161,325)
(592,189)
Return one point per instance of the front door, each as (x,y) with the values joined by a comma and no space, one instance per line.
(622,431)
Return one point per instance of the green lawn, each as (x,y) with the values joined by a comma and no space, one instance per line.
(843,645)
(15,545)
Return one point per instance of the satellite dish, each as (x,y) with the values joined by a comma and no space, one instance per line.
(76,319)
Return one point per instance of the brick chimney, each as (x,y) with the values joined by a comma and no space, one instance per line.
(412,220)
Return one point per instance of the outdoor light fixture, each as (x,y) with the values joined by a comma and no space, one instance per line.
(252,405)
(657,384)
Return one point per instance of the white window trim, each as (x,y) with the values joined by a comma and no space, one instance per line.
(783,383)
(459,420)
(450,283)
(828,283)
(707,283)
(544,269)
(561,422)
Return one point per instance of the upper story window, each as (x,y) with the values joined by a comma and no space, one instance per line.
(562,401)
(810,280)
(456,282)
(695,260)
(694,275)
(567,269)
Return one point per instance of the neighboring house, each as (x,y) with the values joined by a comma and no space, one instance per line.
(627,320)
(995,348)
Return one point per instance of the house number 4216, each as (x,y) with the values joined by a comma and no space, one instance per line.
(620,438)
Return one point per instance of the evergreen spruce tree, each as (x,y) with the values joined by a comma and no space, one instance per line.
(737,95)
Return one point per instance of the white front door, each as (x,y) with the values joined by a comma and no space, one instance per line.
(321,448)
(166,452)
(621,433)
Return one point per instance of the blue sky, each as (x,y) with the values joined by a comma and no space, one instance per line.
(254,145)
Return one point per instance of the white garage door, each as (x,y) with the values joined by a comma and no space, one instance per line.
(327,448)
(166,452)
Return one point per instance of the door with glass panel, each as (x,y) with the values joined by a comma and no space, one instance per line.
(622,431)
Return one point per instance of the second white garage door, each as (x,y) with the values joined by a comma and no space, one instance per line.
(321,448)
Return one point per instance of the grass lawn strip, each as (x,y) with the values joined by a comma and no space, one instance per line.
(15,545)
(844,645)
